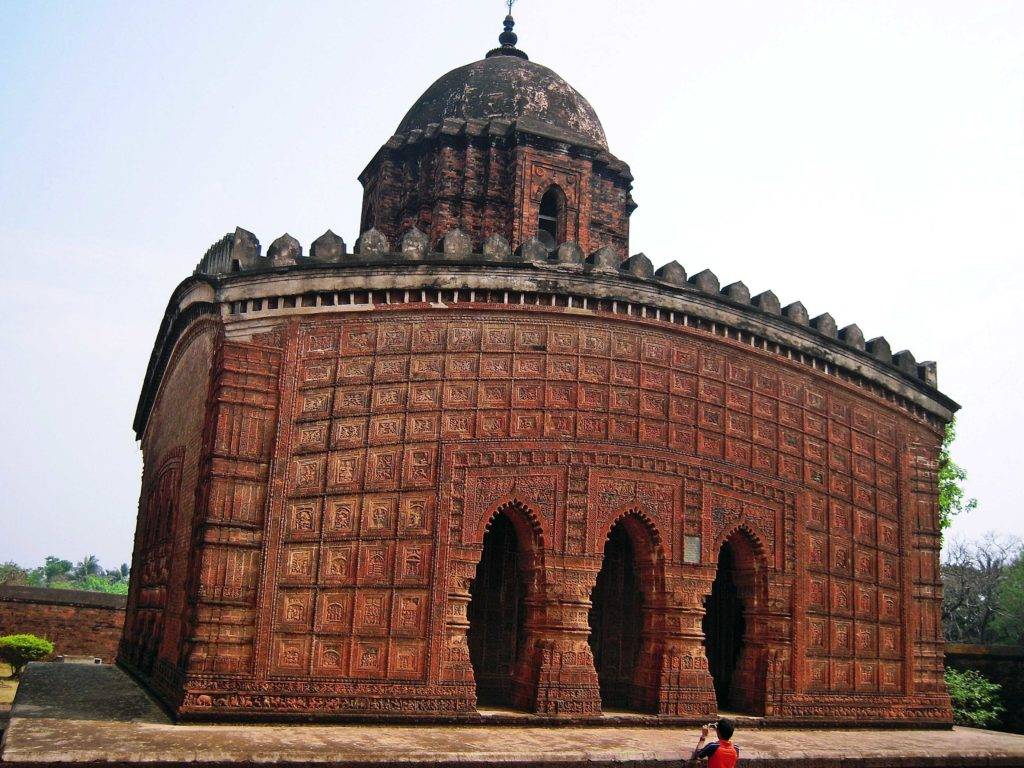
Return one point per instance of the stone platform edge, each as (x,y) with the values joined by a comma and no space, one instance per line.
(81,714)
(513,718)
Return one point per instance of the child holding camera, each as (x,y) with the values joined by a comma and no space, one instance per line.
(721,753)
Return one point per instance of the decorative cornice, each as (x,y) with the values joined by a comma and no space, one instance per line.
(249,286)
(496,131)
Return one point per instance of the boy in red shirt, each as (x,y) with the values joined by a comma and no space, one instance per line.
(721,753)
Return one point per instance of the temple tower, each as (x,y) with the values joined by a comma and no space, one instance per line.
(489,458)
(502,146)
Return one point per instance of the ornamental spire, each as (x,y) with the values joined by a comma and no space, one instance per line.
(508,38)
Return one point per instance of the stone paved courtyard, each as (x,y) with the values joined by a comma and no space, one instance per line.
(69,714)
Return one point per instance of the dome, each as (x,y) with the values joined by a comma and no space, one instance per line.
(509,87)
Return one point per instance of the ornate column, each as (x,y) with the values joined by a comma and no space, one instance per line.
(526,674)
(645,692)
(497,193)
(557,653)
(777,619)
(747,692)
(448,186)
(683,686)
(456,669)
(763,669)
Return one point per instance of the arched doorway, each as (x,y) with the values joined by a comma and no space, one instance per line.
(616,621)
(724,626)
(734,657)
(496,614)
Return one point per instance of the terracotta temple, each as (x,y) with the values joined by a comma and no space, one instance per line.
(489,460)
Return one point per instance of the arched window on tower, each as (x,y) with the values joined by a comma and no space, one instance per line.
(551,218)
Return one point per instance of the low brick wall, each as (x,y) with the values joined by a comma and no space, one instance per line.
(78,623)
(1003,664)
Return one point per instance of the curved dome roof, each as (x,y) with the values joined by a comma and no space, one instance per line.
(511,88)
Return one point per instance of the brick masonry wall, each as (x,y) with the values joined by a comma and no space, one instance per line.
(1001,664)
(610,208)
(399,436)
(490,186)
(172,448)
(78,623)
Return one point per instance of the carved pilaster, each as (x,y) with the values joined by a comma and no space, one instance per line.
(228,537)
(684,684)
(558,654)
(920,563)
(455,664)
(765,641)
(777,622)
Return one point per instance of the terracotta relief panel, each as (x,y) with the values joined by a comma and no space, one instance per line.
(403,434)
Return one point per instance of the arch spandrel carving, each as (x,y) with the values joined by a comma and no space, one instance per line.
(539,491)
(649,552)
(769,521)
(612,494)
(753,543)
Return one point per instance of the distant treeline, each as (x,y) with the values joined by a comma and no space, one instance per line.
(983,591)
(57,573)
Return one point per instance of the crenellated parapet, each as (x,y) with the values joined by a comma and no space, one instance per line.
(240,251)
(600,281)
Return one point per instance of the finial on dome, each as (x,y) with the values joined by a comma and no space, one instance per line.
(508,38)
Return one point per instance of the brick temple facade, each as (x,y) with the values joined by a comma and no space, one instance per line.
(490,460)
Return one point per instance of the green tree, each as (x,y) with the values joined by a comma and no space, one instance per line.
(58,573)
(19,650)
(1008,625)
(117,575)
(952,499)
(102,584)
(975,698)
(973,574)
(13,574)
(89,566)
(55,569)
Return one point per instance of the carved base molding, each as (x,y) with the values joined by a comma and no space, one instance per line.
(554,701)
(888,709)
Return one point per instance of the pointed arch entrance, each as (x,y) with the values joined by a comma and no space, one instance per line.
(735,654)
(497,611)
(623,603)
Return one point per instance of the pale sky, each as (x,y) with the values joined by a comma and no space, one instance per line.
(866,158)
